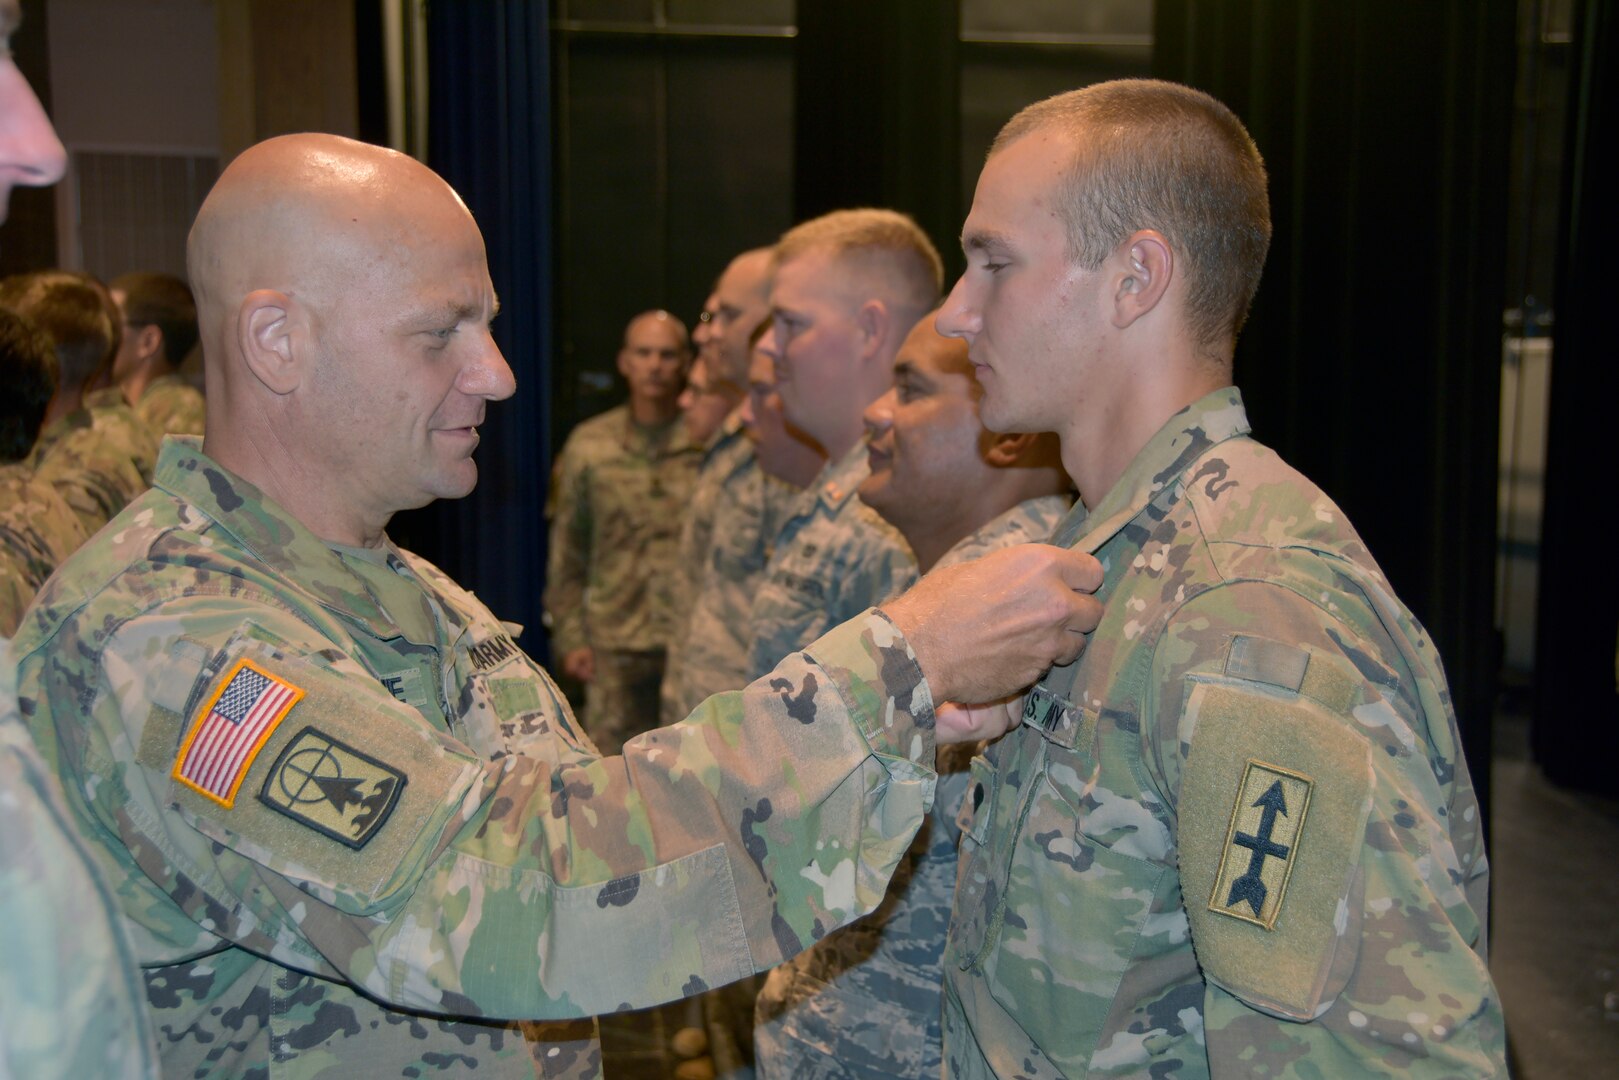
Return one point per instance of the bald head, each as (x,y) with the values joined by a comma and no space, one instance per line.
(344,303)
(313,216)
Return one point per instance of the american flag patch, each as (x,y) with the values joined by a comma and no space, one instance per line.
(233,728)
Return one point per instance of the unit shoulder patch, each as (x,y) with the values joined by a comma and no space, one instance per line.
(1262,843)
(333,788)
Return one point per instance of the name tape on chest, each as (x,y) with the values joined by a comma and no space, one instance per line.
(1262,843)
(231,729)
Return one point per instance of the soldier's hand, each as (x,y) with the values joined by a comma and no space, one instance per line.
(580,663)
(988,628)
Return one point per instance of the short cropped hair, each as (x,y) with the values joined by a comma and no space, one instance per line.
(75,313)
(1157,155)
(889,244)
(28,372)
(163,301)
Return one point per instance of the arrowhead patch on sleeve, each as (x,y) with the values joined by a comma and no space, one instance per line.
(231,729)
(331,787)
(1262,843)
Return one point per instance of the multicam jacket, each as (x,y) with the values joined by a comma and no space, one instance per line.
(71,1000)
(356,827)
(1237,837)
(172,406)
(38,529)
(615,531)
(863,1003)
(834,557)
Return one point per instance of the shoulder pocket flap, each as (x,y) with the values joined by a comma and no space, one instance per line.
(1274,802)
(321,778)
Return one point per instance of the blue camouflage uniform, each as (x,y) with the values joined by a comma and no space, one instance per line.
(863,1003)
(834,557)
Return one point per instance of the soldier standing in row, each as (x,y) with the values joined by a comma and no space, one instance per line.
(863,1002)
(623,481)
(160,329)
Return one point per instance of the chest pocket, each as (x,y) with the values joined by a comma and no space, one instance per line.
(506,705)
(1069,866)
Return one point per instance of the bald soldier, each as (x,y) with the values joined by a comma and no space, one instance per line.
(1238,837)
(357,830)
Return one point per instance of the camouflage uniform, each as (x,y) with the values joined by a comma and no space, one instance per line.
(37,531)
(727,544)
(99,457)
(1237,837)
(621,491)
(327,779)
(863,1002)
(71,1000)
(834,557)
(172,406)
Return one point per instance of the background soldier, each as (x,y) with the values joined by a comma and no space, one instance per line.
(622,483)
(37,527)
(160,330)
(863,1002)
(848,286)
(92,446)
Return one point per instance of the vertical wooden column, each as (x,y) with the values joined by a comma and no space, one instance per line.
(285,66)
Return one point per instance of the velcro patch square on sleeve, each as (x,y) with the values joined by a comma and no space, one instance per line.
(1262,842)
(231,728)
(333,788)
(1269,894)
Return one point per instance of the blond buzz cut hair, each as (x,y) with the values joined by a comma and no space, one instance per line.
(890,247)
(1158,155)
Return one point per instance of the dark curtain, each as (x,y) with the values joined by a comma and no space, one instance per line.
(1372,360)
(1575,732)
(489,136)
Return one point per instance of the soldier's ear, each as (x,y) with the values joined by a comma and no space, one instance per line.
(1142,268)
(876,322)
(1004,451)
(267,330)
(148,341)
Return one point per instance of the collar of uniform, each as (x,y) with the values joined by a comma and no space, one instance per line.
(268,532)
(106,397)
(1207,422)
(61,427)
(840,479)
(655,441)
(727,435)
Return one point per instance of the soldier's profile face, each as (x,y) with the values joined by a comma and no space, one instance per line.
(1031,317)
(407,363)
(783,451)
(815,340)
(30,153)
(924,438)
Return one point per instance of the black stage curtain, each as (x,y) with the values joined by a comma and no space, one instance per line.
(489,135)
(1575,734)
(1372,359)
